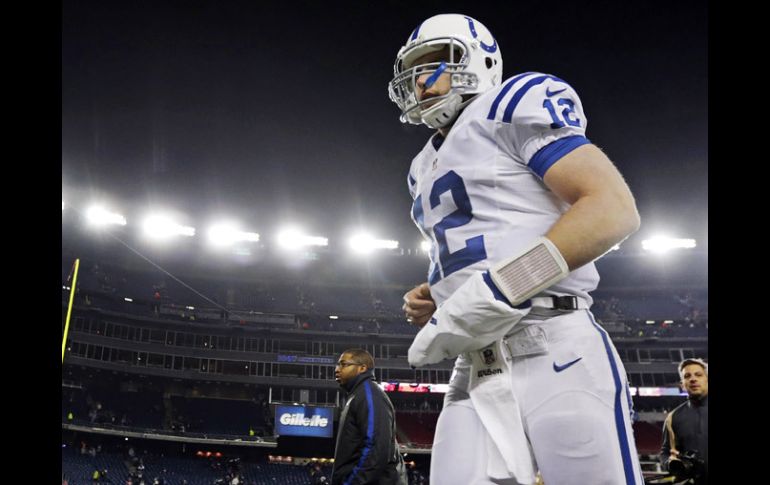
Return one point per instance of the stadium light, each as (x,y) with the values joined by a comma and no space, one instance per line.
(662,244)
(293,238)
(228,233)
(99,216)
(425,246)
(364,243)
(160,227)
(62,205)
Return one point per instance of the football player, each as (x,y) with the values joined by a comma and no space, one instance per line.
(517,204)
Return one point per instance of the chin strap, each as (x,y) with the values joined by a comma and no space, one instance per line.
(446,111)
(443,113)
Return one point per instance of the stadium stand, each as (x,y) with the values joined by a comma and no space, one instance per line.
(175,365)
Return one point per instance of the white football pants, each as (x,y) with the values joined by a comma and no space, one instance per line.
(575,406)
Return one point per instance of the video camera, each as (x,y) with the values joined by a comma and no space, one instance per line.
(689,465)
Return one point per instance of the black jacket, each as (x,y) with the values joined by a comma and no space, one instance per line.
(366,451)
(689,423)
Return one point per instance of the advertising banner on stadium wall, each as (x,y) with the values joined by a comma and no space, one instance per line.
(304,421)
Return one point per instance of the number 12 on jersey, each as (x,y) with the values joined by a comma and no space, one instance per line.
(566,113)
(474,249)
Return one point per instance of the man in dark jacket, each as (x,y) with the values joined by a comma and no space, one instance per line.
(366,451)
(685,432)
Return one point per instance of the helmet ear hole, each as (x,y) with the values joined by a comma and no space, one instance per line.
(489,62)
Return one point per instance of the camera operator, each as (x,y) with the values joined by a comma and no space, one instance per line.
(685,431)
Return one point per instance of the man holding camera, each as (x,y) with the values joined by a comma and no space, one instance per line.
(686,432)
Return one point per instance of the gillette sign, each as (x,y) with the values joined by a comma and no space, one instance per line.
(299,419)
(304,421)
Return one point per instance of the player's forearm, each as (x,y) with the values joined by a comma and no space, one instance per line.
(602,209)
(593,225)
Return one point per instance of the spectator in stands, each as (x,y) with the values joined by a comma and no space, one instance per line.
(685,431)
(103,478)
(366,450)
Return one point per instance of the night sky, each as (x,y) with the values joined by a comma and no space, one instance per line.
(277,111)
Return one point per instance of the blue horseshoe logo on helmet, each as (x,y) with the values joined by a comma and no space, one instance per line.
(489,48)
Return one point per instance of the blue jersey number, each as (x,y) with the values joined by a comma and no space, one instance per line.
(419,219)
(474,247)
(567,113)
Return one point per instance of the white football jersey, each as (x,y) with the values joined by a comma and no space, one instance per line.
(479,195)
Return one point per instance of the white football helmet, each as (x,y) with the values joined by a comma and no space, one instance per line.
(475,66)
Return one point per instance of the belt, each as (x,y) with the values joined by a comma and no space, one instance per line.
(566,302)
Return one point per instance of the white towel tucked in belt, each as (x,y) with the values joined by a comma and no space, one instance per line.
(498,409)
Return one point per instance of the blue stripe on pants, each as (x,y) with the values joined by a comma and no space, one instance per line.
(620,424)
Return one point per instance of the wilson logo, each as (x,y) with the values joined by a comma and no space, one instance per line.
(489,372)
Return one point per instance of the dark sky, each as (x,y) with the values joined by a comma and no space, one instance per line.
(273,111)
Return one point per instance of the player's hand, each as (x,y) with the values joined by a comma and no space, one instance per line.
(418,305)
